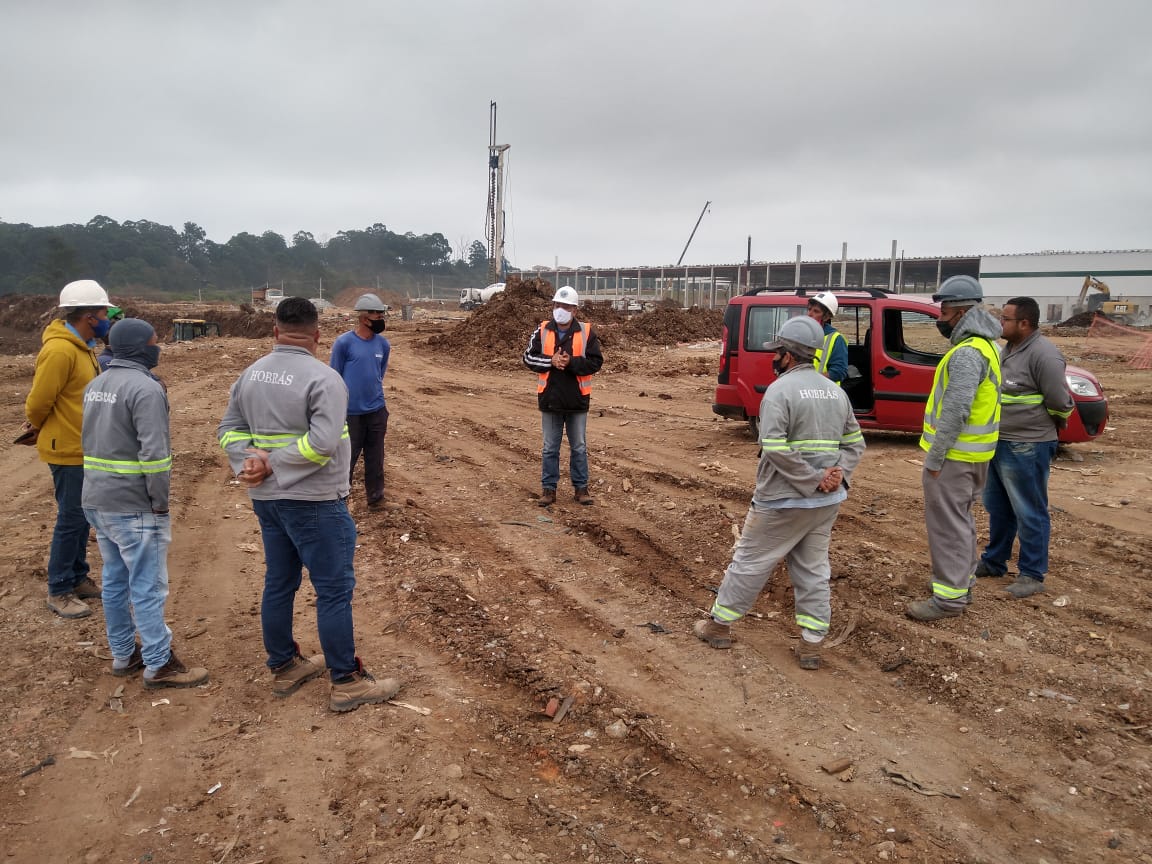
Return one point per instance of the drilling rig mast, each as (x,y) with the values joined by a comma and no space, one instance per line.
(494,221)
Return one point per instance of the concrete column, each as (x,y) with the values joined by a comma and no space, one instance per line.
(687,288)
(767,275)
(863,274)
(712,279)
(892,270)
(843,265)
(796,283)
(829,282)
(939,270)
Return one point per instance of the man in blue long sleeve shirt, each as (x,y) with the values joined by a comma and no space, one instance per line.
(361,358)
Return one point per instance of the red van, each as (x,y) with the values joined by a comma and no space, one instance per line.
(893,350)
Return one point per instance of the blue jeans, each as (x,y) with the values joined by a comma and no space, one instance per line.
(68,554)
(321,536)
(554,426)
(1016,498)
(134,584)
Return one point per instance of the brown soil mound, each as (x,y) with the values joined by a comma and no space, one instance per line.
(23,318)
(502,327)
(1084,319)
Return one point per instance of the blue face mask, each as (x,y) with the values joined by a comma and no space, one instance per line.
(101,327)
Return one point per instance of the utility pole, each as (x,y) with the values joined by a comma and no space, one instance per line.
(495,218)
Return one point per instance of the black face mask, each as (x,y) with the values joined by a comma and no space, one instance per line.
(945,328)
(377,325)
(151,356)
(777,367)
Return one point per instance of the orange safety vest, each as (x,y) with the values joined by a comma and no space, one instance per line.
(548,347)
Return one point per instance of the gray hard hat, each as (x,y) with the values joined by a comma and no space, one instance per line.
(963,290)
(801,331)
(369,303)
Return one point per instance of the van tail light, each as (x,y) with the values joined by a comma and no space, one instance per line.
(723,349)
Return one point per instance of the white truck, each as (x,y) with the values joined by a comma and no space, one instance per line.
(470,298)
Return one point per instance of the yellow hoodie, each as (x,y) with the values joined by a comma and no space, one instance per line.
(55,404)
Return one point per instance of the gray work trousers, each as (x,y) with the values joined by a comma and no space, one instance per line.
(948,501)
(800,536)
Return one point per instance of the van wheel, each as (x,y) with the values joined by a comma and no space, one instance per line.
(754,427)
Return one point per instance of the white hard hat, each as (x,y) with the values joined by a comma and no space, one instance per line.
(567,295)
(828,300)
(802,330)
(83,292)
(369,303)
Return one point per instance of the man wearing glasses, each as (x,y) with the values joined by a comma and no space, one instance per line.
(1035,405)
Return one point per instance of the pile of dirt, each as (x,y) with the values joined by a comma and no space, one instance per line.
(1083,319)
(502,326)
(23,318)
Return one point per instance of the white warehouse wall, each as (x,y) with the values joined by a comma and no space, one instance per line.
(1054,279)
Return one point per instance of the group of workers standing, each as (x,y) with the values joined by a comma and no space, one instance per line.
(295,427)
(990,428)
(290,431)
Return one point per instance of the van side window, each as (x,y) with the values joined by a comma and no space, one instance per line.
(913,337)
(853,323)
(764,322)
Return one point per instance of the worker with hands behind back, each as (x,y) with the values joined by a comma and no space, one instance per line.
(285,434)
(961,427)
(1035,406)
(565,354)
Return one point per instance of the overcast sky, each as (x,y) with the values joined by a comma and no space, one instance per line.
(975,127)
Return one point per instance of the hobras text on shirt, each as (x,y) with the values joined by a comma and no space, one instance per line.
(100,396)
(264,377)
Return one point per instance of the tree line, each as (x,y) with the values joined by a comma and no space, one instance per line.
(147,259)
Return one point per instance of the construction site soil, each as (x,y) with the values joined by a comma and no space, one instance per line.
(557,706)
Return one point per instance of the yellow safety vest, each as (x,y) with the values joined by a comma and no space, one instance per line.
(824,353)
(977,439)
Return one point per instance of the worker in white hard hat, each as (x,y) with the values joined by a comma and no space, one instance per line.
(565,354)
(55,410)
(810,443)
(832,356)
(361,357)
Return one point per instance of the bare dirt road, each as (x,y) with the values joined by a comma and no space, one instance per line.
(1018,733)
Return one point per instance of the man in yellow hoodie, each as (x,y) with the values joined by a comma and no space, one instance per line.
(55,411)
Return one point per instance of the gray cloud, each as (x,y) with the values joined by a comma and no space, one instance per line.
(980,127)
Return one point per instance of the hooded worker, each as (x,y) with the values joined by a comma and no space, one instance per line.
(961,427)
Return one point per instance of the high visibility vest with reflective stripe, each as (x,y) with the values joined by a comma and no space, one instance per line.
(127,466)
(977,439)
(277,441)
(824,353)
(548,348)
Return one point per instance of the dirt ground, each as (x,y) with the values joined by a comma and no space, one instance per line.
(1018,733)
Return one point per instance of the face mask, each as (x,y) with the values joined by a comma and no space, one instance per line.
(377,326)
(151,356)
(945,328)
(101,327)
(561,316)
(778,365)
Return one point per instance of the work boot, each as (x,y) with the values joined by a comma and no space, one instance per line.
(1025,586)
(359,688)
(547,498)
(930,610)
(175,674)
(717,635)
(983,570)
(124,668)
(69,606)
(86,589)
(295,673)
(583,497)
(808,654)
